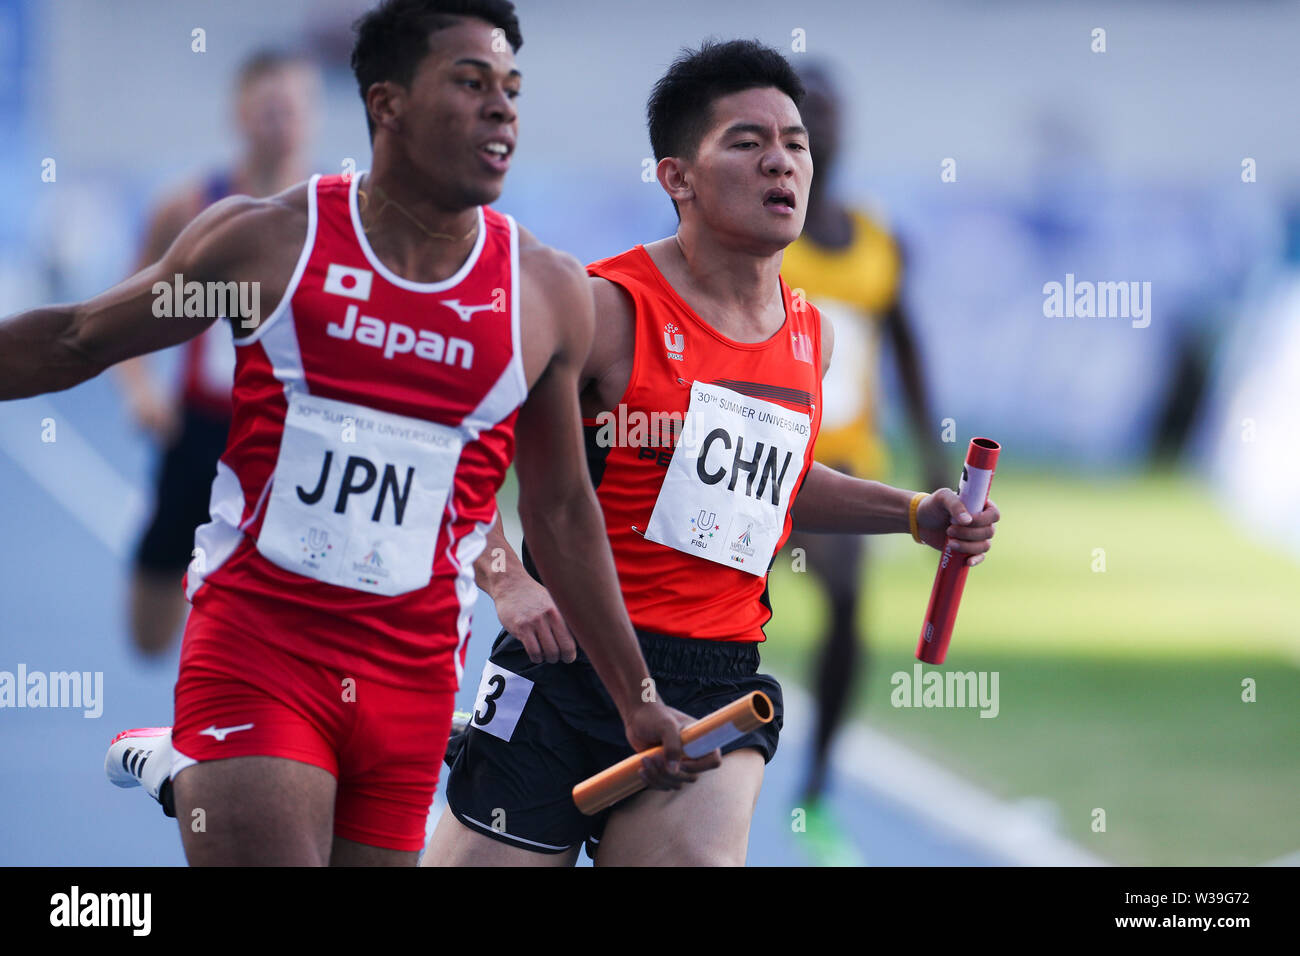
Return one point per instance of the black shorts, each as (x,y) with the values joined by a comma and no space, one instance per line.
(184,488)
(539,729)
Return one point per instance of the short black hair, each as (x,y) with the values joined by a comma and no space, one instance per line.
(393,38)
(681,103)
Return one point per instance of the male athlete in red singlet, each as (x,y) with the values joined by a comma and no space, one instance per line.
(412,335)
(702,398)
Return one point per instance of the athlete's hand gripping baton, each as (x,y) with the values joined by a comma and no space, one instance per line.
(950,578)
(708,733)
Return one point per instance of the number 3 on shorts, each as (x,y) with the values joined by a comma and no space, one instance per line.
(501,698)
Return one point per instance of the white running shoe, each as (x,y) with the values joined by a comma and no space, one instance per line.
(143,758)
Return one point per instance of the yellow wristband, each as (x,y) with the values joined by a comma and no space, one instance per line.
(911,515)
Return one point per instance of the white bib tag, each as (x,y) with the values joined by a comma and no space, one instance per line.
(358,503)
(500,701)
(728,486)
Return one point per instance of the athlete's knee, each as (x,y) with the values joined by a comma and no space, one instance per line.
(683,848)
(455,844)
(694,854)
(352,853)
(254,811)
(446,843)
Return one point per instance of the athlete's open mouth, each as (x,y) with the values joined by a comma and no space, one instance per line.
(779,198)
(497,152)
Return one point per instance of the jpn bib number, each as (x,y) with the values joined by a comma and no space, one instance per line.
(358,495)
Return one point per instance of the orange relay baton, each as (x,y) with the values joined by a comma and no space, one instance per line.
(708,733)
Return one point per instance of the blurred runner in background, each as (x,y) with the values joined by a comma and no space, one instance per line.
(275,108)
(849,267)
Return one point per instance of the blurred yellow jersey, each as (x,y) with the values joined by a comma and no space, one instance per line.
(854,287)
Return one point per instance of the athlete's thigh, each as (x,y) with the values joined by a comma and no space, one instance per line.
(351,853)
(706,823)
(454,844)
(255,811)
(388,771)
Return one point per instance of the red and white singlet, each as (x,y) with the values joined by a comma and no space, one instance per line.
(373,424)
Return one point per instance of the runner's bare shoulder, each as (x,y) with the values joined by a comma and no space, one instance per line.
(615,309)
(238,231)
(555,276)
(241,239)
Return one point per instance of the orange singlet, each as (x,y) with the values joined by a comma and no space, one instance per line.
(698,465)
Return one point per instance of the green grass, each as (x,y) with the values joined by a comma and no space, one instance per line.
(1119,689)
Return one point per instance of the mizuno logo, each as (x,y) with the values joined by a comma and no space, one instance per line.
(219,733)
(466,312)
(397,339)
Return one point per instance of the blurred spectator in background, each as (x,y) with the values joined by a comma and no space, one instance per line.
(275,106)
(850,267)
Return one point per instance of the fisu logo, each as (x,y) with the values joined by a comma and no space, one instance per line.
(674,341)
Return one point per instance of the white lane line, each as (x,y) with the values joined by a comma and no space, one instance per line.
(943,799)
(72,472)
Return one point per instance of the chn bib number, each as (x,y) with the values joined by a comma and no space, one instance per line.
(727,489)
(358,495)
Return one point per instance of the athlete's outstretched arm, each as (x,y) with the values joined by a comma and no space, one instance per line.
(835,503)
(566,531)
(832,502)
(57,347)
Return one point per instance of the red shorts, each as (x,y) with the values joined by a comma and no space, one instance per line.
(237,696)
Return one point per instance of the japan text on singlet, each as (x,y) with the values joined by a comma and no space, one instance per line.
(373,424)
(698,465)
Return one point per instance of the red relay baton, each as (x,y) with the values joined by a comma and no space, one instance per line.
(950,579)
